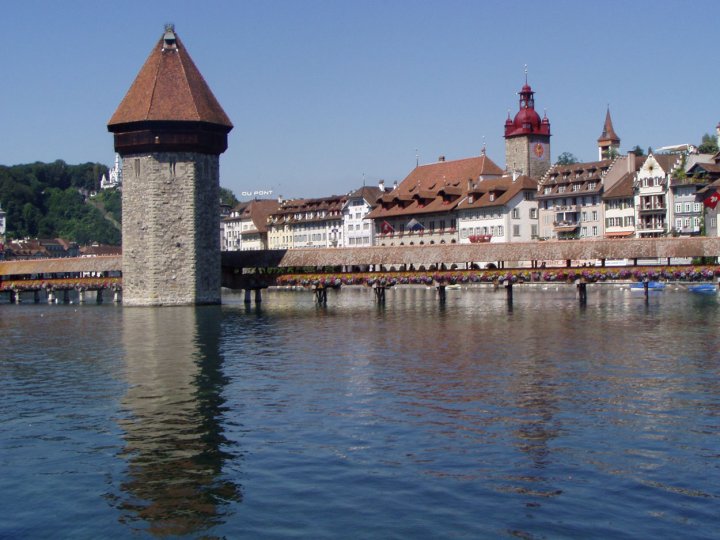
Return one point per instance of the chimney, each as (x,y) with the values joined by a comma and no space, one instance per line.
(280,199)
(515,175)
(381,186)
(631,162)
(441,158)
(395,185)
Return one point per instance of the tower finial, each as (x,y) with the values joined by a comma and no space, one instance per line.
(483,147)
(526,73)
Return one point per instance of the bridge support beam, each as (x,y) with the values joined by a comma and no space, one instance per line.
(36,297)
(379,291)
(258,295)
(117,297)
(99,296)
(509,290)
(582,291)
(51,297)
(321,295)
(81,297)
(66,296)
(441,293)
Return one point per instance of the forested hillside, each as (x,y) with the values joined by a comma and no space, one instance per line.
(48,200)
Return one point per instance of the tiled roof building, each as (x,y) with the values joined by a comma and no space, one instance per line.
(569,199)
(300,223)
(425,201)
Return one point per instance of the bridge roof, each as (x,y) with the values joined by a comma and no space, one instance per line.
(62,265)
(486,252)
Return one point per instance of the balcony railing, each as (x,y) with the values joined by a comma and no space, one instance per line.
(651,208)
(654,226)
(566,223)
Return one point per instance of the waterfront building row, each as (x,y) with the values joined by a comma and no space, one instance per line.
(474,200)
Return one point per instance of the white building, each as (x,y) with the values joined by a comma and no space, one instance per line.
(618,196)
(653,198)
(3,225)
(115,175)
(231,229)
(358,231)
(307,223)
(246,228)
(499,210)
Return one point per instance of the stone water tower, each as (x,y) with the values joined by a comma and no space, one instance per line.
(170,131)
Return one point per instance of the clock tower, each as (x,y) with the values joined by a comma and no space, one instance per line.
(527,138)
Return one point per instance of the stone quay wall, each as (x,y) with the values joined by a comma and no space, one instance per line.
(171,245)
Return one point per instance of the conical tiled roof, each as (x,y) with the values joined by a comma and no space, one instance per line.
(169,87)
(608,133)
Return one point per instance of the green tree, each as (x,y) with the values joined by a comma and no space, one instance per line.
(566,158)
(708,145)
(228,197)
(44,200)
(637,150)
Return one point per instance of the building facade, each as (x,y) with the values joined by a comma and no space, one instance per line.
(618,197)
(422,209)
(499,210)
(307,223)
(652,195)
(570,201)
(357,230)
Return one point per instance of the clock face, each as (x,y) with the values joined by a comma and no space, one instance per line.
(539,150)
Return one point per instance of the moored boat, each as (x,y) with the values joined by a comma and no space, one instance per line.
(703,288)
(653,286)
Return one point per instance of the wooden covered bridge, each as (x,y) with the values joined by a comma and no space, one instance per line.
(250,270)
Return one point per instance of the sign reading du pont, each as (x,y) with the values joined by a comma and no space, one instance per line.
(257,193)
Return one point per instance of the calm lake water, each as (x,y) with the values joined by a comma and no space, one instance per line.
(413,420)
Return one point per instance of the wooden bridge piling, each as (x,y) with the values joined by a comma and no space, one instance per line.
(441,293)
(582,291)
(321,295)
(379,291)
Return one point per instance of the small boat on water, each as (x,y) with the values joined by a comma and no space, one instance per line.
(653,286)
(703,288)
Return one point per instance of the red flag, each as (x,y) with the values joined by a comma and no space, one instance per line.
(386,228)
(712,200)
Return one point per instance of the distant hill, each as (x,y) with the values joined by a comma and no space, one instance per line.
(49,200)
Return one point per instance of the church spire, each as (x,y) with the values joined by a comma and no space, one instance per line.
(608,142)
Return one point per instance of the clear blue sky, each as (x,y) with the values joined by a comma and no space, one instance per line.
(325,93)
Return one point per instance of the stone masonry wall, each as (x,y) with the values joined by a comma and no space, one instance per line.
(171,249)
(519,156)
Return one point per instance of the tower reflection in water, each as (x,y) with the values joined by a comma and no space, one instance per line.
(174,443)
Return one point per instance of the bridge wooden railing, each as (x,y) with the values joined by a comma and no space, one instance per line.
(557,250)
